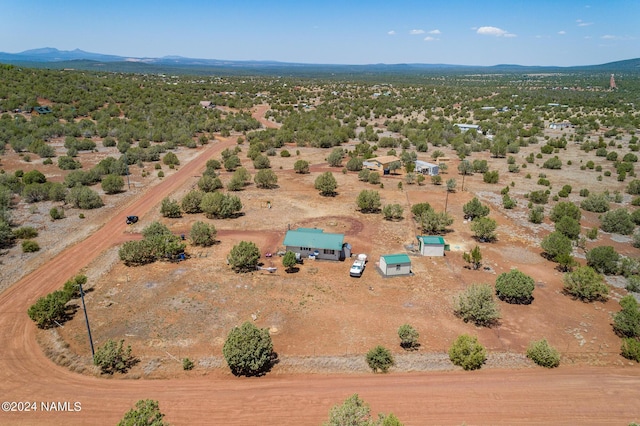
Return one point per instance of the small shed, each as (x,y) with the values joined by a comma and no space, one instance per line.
(395,264)
(427,168)
(431,245)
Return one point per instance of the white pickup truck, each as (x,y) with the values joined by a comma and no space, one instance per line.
(357,268)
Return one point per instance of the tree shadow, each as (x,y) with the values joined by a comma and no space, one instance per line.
(411,347)
(292,270)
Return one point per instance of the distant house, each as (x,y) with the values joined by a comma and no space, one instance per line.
(431,245)
(560,126)
(315,242)
(395,264)
(41,110)
(427,168)
(465,127)
(380,164)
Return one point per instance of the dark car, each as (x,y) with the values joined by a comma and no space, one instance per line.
(131,220)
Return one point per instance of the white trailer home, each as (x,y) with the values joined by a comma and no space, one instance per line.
(426,168)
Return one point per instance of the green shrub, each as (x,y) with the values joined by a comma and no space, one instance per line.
(603,259)
(146,413)
(84,198)
(565,208)
(626,322)
(630,349)
(209,183)
(25,232)
(408,337)
(191,202)
(597,203)
(112,184)
(543,354)
(552,163)
(474,209)
(633,283)
(515,287)
(187,364)
(380,359)
(617,221)
(467,353)
(244,256)
(248,350)
(491,176)
(536,215)
(30,246)
(49,310)
(477,305)
(56,213)
(539,197)
(569,227)
(170,159)
(113,357)
(586,284)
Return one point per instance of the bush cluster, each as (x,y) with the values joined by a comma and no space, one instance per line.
(467,352)
(515,287)
(543,354)
(477,305)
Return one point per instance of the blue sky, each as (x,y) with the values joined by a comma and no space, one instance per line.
(466,32)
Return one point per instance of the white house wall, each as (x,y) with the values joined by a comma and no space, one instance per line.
(322,255)
(432,250)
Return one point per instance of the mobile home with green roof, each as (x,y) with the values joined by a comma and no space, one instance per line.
(317,243)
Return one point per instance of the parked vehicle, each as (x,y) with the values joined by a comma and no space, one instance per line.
(357,268)
(131,220)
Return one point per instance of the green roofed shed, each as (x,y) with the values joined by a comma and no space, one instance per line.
(431,245)
(395,264)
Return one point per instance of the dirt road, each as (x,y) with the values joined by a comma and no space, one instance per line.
(567,395)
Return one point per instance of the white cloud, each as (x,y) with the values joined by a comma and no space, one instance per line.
(416,32)
(429,38)
(494,31)
(392,32)
(563,32)
(435,32)
(609,37)
(581,23)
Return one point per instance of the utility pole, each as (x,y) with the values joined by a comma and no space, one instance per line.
(126,164)
(86,319)
(446,201)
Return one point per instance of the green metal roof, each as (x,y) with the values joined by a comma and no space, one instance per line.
(394,259)
(313,238)
(430,239)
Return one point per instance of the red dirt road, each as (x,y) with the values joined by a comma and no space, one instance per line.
(568,395)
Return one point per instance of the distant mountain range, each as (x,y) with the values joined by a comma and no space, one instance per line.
(49,57)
